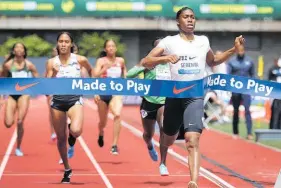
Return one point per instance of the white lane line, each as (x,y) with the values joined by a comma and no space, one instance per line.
(8,153)
(94,162)
(94,174)
(207,174)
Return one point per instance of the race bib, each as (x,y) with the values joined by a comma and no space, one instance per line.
(20,74)
(162,72)
(114,72)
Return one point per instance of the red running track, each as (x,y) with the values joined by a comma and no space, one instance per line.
(96,167)
(92,166)
(239,162)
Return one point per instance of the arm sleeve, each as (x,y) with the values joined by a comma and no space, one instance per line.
(135,71)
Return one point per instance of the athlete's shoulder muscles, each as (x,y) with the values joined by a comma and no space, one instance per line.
(32,68)
(49,68)
(156,52)
(153,58)
(85,63)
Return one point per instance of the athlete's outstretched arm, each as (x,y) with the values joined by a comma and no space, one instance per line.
(33,69)
(85,63)
(154,58)
(99,69)
(213,60)
(135,71)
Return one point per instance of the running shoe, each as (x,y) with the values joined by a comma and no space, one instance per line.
(153,153)
(18,152)
(114,150)
(66,176)
(100,141)
(70,152)
(163,170)
(53,137)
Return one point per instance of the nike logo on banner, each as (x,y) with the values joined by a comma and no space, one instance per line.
(21,88)
(178,91)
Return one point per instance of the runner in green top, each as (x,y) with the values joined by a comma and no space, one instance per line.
(152,107)
(151,74)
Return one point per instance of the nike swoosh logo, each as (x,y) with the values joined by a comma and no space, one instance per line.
(177,91)
(21,88)
(190,58)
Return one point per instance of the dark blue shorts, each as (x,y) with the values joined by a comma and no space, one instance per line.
(186,113)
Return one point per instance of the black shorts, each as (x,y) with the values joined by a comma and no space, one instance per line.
(187,112)
(15,97)
(106,98)
(149,110)
(65,105)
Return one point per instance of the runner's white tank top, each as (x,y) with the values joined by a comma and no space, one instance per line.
(115,71)
(191,65)
(70,70)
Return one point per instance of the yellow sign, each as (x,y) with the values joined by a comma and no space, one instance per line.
(234,9)
(25,6)
(113,6)
(260,66)
(153,8)
(67,6)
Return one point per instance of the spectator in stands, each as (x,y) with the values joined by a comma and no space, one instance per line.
(274,74)
(241,65)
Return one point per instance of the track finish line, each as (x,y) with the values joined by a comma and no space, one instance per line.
(139,87)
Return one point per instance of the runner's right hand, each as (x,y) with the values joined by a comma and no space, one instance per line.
(172,58)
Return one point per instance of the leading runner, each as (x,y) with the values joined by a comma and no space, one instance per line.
(66,65)
(187,55)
